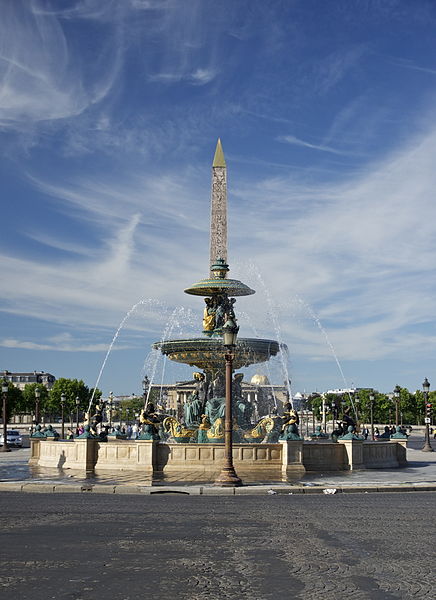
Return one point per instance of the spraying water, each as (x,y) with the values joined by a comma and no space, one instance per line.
(121,325)
(317,321)
(273,313)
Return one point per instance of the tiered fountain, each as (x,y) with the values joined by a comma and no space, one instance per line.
(268,450)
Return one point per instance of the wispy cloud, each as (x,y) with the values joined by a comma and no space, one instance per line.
(41,77)
(292,139)
(409,64)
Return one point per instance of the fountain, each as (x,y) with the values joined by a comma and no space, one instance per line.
(268,449)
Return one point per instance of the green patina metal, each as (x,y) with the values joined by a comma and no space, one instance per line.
(49,432)
(208,353)
(213,286)
(117,434)
(319,434)
(350,435)
(38,433)
(87,434)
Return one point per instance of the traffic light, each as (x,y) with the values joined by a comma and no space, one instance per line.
(428,407)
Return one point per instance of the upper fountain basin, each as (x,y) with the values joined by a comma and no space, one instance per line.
(209,287)
(208,353)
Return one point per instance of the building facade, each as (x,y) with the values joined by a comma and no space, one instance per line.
(20,380)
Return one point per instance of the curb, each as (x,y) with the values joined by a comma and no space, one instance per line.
(77,488)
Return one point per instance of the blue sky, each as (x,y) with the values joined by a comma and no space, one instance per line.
(109,116)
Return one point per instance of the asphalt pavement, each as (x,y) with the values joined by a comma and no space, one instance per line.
(85,546)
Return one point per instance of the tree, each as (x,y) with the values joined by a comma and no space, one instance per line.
(72,388)
(129,408)
(14,399)
(28,403)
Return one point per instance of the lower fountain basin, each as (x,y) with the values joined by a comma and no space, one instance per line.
(208,353)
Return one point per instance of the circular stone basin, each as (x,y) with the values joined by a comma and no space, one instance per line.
(208,353)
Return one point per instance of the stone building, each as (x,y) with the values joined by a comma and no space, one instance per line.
(20,380)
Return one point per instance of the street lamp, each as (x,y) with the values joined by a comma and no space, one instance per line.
(37,397)
(356,406)
(77,411)
(371,406)
(397,391)
(427,446)
(5,389)
(333,414)
(110,404)
(228,476)
(63,399)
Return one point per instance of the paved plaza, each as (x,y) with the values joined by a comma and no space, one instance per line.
(420,474)
(83,546)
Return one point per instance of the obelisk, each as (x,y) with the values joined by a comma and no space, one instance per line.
(218,215)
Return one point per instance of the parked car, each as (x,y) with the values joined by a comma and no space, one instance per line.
(13,438)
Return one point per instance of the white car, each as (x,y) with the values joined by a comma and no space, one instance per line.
(13,438)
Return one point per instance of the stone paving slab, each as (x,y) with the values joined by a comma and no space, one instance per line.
(419,475)
(206,490)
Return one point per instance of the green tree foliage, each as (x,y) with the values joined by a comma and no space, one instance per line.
(129,408)
(28,403)
(72,388)
(14,400)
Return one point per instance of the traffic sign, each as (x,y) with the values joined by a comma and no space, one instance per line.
(427,420)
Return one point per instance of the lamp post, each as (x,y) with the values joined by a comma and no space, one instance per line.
(63,398)
(356,408)
(228,476)
(333,414)
(371,406)
(77,411)
(427,446)
(397,391)
(37,397)
(5,388)
(110,404)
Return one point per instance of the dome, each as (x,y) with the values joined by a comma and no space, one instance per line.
(259,380)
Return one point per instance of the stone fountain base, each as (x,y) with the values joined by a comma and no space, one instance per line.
(262,462)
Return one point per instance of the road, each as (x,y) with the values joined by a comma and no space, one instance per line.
(81,546)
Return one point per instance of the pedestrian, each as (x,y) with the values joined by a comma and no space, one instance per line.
(129,432)
(135,431)
(70,434)
(376,433)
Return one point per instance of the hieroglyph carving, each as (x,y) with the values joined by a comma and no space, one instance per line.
(218,217)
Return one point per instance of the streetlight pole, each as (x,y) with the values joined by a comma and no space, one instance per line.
(5,389)
(228,476)
(110,404)
(397,391)
(37,397)
(356,408)
(371,406)
(63,398)
(427,446)
(77,411)
(333,415)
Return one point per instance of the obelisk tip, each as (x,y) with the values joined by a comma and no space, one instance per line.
(218,159)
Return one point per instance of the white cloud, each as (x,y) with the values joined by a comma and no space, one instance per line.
(291,139)
(41,77)
(58,347)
